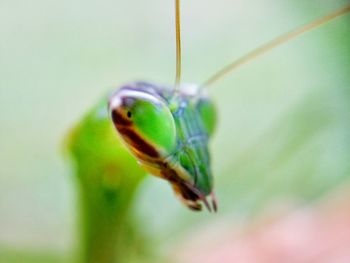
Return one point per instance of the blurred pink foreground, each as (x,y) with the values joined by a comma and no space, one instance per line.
(315,234)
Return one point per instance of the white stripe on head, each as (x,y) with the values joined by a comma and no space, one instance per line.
(114,102)
(117,98)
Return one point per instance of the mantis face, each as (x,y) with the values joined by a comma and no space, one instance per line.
(168,134)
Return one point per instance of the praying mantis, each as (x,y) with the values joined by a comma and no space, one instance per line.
(145,128)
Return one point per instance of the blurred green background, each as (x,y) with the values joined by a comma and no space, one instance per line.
(284,120)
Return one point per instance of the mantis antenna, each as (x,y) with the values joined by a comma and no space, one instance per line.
(274,43)
(178,45)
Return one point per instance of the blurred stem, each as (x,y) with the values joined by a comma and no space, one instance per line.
(102,223)
(108,177)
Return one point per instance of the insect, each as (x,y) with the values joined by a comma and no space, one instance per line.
(167,129)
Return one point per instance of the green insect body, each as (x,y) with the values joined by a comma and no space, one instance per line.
(168,133)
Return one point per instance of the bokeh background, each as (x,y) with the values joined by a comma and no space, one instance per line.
(282,144)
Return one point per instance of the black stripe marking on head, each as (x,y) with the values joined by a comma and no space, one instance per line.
(139,143)
(119,119)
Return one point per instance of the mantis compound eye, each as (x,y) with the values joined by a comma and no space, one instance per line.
(144,122)
(207,112)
